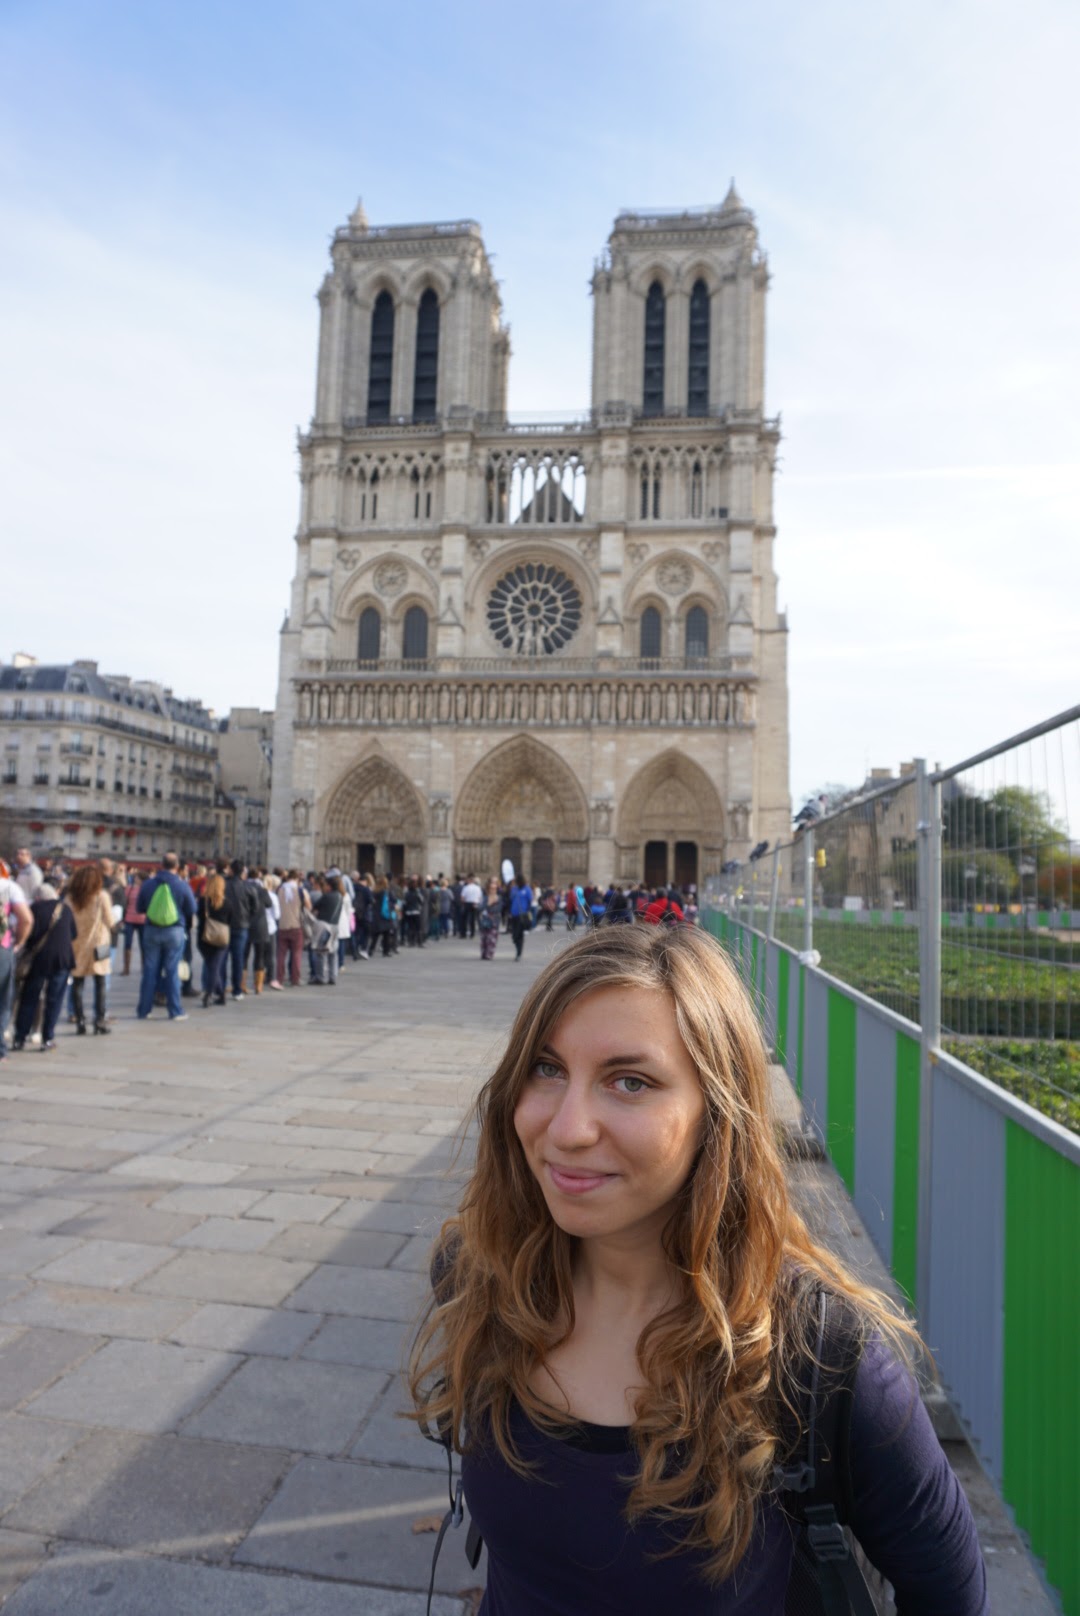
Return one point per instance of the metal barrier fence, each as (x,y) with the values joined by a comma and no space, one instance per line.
(1005,952)
(921,1047)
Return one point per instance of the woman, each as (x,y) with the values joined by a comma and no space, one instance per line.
(213,920)
(92,909)
(258,939)
(385,916)
(327,911)
(626,1309)
(490,915)
(45,961)
(133,920)
(521,902)
(345,920)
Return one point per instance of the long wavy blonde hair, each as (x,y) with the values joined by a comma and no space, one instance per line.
(721,1367)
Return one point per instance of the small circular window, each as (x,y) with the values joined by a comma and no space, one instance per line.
(534,610)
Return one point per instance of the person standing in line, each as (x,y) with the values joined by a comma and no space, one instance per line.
(548,905)
(242,905)
(259,945)
(290,938)
(169,907)
(490,914)
(273,921)
(213,938)
(90,905)
(133,921)
(112,880)
(365,916)
(49,960)
(16,924)
(345,919)
(619,910)
(521,901)
(411,910)
(446,907)
(28,874)
(471,899)
(571,908)
(327,910)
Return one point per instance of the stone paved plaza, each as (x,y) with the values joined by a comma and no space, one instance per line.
(213,1238)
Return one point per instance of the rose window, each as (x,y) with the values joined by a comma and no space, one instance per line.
(534,610)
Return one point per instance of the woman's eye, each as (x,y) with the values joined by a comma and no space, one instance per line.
(546,1068)
(634,1085)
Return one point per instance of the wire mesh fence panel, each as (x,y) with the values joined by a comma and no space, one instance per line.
(1010,953)
(866,919)
(790,918)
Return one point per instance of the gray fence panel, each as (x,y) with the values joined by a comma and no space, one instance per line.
(794,971)
(875,1126)
(815,1095)
(772,991)
(966,1317)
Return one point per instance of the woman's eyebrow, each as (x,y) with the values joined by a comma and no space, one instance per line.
(612,1060)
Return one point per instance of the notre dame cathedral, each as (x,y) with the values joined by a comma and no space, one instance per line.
(553,642)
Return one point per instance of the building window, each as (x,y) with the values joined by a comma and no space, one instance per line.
(696,500)
(382,358)
(374,496)
(370,631)
(697,634)
(652,395)
(650,634)
(425,377)
(650,494)
(415,640)
(697,396)
(415,481)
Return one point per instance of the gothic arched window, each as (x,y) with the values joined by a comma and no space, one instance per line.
(650,634)
(697,398)
(697,633)
(695,489)
(426,372)
(652,393)
(382,358)
(367,649)
(414,641)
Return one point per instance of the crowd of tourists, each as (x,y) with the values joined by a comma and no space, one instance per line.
(224,932)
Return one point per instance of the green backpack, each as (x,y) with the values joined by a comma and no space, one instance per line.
(162,910)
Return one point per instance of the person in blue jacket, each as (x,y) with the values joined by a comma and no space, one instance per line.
(627,1305)
(163,942)
(521,903)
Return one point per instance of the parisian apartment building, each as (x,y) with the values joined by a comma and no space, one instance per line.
(95,764)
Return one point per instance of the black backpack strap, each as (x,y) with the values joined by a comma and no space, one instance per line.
(815,1484)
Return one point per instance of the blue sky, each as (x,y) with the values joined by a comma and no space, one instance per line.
(169,179)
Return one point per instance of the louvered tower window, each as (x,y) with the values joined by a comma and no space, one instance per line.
(382,358)
(425,377)
(652,397)
(369,636)
(650,634)
(414,644)
(697,399)
(697,634)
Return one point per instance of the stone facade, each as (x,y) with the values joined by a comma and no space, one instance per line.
(245,751)
(556,642)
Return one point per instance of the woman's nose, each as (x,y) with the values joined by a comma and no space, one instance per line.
(574,1123)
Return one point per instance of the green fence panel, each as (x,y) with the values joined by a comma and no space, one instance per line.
(1041,1426)
(840,1123)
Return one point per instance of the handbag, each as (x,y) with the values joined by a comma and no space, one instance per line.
(216,933)
(103,951)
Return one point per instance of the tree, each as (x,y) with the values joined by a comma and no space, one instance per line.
(1011,821)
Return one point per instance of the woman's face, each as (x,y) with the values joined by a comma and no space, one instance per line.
(611,1116)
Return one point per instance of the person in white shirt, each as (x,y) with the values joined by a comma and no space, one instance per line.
(27,874)
(472,897)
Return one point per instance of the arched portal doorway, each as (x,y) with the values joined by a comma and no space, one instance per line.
(373,821)
(522,799)
(671,824)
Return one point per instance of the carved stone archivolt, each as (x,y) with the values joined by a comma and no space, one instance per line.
(522,790)
(670,799)
(374,803)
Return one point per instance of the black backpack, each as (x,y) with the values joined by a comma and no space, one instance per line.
(814,1485)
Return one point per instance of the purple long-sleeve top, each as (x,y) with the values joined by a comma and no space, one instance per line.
(559,1544)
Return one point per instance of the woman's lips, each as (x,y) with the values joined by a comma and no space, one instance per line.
(575,1180)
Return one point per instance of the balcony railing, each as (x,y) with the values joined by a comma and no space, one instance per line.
(77,748)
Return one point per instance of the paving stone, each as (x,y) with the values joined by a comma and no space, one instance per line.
(39,1214)
(282,1207)
(369,1343)
(76,1159)
(211,1276)
(224,1202)
(370,1293)
(137,1386)
(20,1555)
(163,1493)
(231,1234)
(19,1180)
(303,1406)
(136,1586)
(27,1448)
(140,1223)
(367,1249)
(388,1439)
(105,1264)
(179,1169)
(134,1141)
(264,1331)
(415,1255)
(355,1521)
(392,1217)
(37,1357)
(94,1312)
(21,1253)
(253,1153)
(325,1162)
(12,1151)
